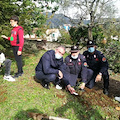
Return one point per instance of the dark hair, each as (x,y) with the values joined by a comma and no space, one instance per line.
(15,18)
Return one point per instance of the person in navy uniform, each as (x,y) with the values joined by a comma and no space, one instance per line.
(77,68)
(51,68)
(98,63)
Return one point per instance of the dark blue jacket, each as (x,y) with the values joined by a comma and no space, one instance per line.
(77,66)
(96,61)
(48,64)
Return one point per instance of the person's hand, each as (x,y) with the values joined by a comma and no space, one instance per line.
(60,74)
(19,53)
(0,65)
(3,36)
(98,78)
(71,90)
(82,85)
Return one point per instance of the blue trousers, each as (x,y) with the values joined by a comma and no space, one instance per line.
(46,78)
(73,78)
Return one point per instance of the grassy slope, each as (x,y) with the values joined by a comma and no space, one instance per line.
(25,95)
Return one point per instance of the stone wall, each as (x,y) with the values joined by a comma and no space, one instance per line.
(34,44)
(53,45)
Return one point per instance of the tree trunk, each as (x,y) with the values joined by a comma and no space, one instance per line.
(90,36)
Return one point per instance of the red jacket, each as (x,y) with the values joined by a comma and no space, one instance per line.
(17,38)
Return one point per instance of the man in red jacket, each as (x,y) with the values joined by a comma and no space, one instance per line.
(17,42)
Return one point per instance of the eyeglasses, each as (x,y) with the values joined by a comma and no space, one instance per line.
(12,21)
(61,53)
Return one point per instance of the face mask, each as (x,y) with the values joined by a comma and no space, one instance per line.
(91,49)
(57,56)
(74,57)
(14,25)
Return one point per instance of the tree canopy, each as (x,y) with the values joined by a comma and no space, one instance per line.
(31,14)
(94,10)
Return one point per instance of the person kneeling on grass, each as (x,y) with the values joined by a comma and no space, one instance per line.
(7,64)
(77,68)
(98,63)
(51,68)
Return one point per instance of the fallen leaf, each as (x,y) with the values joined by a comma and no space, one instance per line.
(117,108)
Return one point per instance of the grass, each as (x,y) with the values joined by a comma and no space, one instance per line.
(25,95)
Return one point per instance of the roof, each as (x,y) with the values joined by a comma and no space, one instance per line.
(49,31)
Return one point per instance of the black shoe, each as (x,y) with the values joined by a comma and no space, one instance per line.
(46,85)
(17,75)
(105,91)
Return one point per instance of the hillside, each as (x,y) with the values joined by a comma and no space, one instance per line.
(60,19)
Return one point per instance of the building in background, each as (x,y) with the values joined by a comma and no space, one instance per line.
(67,27)
(52,34)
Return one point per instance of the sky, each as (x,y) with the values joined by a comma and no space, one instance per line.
(73,11)
(116,3)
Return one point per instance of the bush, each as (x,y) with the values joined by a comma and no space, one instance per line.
(112,52)
(65,37)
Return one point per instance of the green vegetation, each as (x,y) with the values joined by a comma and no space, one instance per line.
(31,17)
(65,37)
(80,34)
(25,95)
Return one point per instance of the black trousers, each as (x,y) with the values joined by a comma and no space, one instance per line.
(105,77)
(18,59)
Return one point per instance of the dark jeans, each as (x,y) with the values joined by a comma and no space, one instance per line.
(7,65)
(105,77)
(18,59)
(73,78)
(46,78)
(90,81)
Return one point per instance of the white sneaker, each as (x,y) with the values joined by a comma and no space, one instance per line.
(58,87)
(8,78)
(117,98)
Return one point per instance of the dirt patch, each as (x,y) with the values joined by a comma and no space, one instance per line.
(95,98)
(3,92)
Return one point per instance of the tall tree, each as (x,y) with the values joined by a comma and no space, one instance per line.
(7,8)
(94,10)
(31,13)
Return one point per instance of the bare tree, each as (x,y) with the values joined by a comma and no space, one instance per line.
(94,10)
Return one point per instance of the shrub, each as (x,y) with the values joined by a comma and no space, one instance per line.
(112,52)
